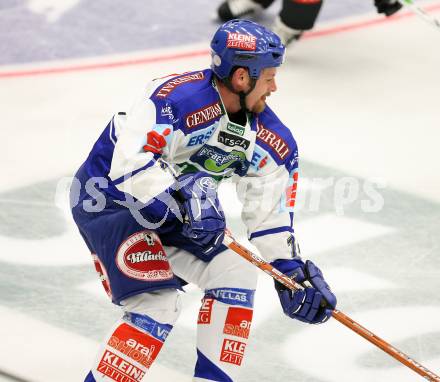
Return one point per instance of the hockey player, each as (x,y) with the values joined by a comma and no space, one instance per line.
(147,208)
(295,16)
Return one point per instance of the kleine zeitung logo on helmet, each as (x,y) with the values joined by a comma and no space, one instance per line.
(241,41)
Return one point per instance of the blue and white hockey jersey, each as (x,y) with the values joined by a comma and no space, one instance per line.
(180,119)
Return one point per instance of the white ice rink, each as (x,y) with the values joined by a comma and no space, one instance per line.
(362,99)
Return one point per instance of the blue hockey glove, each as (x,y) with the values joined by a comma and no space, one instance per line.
(387,7)
(204,222)
(316,302)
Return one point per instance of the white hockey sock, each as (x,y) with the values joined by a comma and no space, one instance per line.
(130,349)
(135,341)
(222,333)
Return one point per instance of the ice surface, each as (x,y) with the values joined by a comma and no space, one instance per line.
(363,106)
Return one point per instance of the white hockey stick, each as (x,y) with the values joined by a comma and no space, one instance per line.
(421,12)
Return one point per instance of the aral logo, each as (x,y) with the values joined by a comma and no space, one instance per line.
(141,258)
(135,345)
(238,322)
(236,129)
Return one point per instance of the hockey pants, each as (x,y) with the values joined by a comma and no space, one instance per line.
(223,324)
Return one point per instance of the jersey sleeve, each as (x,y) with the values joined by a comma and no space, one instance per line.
(269,192)
(144,135)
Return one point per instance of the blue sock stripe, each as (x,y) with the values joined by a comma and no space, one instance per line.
(156,329)
(208,370)
(232,296)
(90,378)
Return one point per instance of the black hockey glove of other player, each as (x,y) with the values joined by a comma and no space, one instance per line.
(204,220)
(316,302)
(387,7)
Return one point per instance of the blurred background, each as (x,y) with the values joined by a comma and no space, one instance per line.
(360,94)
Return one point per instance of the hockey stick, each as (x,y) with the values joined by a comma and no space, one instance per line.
(258,261)
(11,377)
(421,12)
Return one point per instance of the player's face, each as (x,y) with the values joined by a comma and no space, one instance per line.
(256,100)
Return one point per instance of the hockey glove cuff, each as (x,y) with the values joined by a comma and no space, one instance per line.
(204,220)
(315,303)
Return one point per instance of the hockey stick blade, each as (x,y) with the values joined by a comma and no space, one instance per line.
(421,12)
(258,261)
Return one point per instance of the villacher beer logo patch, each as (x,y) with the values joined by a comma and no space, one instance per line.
(142,257)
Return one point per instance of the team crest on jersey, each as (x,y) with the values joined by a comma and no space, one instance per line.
(218,161)
(142,257)
(241,41)
(277,143)
(171,85)
(204,115)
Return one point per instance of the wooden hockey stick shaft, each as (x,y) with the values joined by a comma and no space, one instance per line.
(337,315)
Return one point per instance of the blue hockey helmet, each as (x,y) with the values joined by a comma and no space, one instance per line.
(247,44)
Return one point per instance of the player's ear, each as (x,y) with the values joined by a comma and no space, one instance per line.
(240,79)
